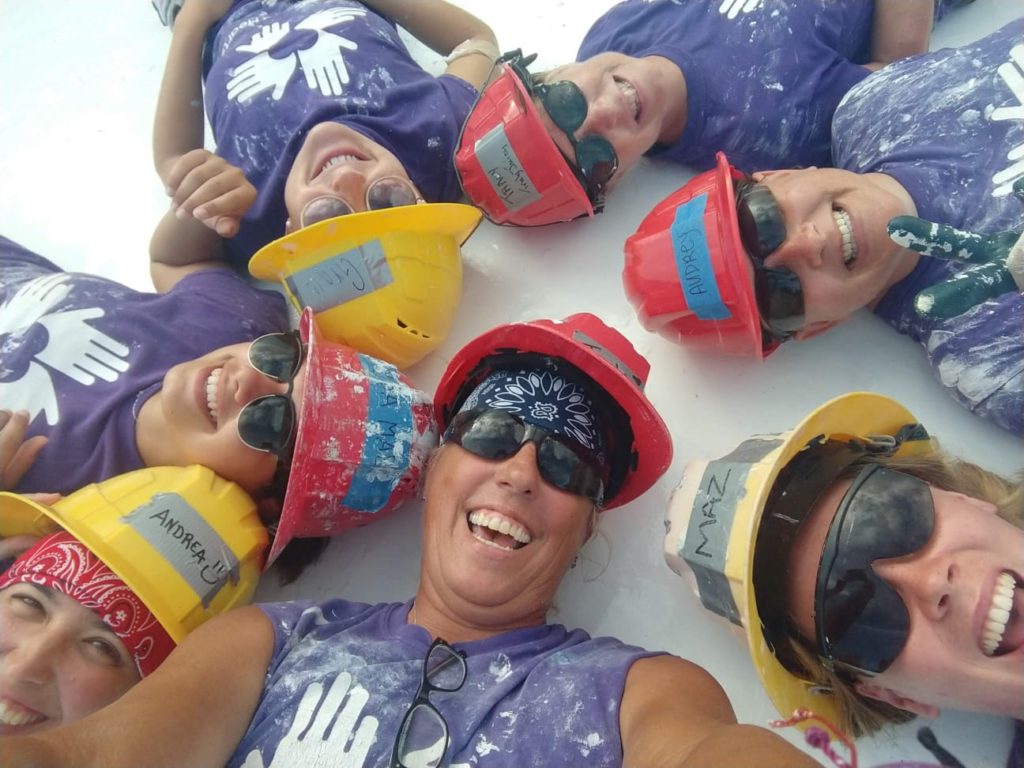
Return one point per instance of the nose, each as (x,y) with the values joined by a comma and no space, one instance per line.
(603,113)
(249,384)
(349,183)
(519,473)
(32,659)
(928,583)
(804,246)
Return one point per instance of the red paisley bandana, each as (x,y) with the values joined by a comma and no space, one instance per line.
(62,563)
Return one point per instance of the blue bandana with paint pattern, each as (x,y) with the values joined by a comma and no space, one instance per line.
(552,398)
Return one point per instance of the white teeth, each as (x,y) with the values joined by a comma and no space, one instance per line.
(998,613)
(842,220)
(211,393)
(501,525)
(336,160)
(12,714)
(630,91)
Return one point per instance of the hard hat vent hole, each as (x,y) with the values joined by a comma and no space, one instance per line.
(413,331)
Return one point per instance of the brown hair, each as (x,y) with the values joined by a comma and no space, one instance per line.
(859,715)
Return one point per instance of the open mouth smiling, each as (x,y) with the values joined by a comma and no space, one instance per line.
(496,530)
(14,714)
(1003,630)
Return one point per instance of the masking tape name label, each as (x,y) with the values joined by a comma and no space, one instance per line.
(506,174)
(693,261)
(340,278)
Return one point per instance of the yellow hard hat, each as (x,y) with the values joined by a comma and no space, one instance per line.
(715,515)
(385,282)
(187,542)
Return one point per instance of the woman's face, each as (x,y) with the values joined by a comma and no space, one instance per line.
(337,162)
(631,102)
(950,589)
(497,539)
(838,275)
(58,661)
(195,415)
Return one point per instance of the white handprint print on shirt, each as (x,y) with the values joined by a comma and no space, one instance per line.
(318,735)
(322,63)
(65,342)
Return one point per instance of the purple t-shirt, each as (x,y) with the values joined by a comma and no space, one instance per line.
(276,69)
(82,353)
(343,674)
(949,125)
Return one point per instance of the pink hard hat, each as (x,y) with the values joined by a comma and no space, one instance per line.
(687,274)
(363,438)
(508,164)
(602,354)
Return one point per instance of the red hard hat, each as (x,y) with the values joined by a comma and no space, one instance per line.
(364,435)
(600,352)
(687,274)
(508,164)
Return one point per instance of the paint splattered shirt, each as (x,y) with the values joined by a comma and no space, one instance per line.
(276,69)
(82,353)
(949,126)
(343,674)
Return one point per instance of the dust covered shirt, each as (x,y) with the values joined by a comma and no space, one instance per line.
(949,126)
(343,674)
(276,69)
(82,353)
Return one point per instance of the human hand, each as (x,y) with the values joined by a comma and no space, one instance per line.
(308,737)
(34,392)
(324,65)
(210,189)
(16,453)
(259,73)
(80,351)
(13,546)
(998,260)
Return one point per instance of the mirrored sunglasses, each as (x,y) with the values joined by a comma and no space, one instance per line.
(497,435)
(267,423)
(780,297)
(387,192)
(862,623)
(423,733)
(596,160)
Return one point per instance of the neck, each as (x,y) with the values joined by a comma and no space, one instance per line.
(906,258)
(153,448)
(676,113)
(459,622)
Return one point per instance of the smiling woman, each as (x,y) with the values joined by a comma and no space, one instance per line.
(544,423)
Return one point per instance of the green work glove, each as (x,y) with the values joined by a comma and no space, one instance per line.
(999,260)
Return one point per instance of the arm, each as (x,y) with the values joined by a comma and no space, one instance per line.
(442,26)
(192,711)
(182,244)
(16,453)
(674,713)
(901,28)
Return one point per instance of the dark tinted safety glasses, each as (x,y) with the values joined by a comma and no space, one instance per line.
(424,728)
(780,297)
(267,423)
(861,621)
(497,435)
(388,192)
(596,161)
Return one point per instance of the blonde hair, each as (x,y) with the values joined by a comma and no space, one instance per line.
(859,715)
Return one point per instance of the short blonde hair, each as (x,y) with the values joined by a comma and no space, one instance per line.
(859,715)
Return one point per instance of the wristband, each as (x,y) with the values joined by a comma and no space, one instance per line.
(472,46)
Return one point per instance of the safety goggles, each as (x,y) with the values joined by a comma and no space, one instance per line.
(386,192)
(780,297)
(424,729)
(596,161)
(267,423)
(861,622)
(497,435)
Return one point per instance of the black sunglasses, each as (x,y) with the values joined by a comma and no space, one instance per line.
(596,161)
(267,423)
(388,192)
(423,728)
(780,297)
(497,435)
(861,621)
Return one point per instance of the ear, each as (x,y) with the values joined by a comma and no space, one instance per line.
(288,228)
(890,697)
(811,330)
